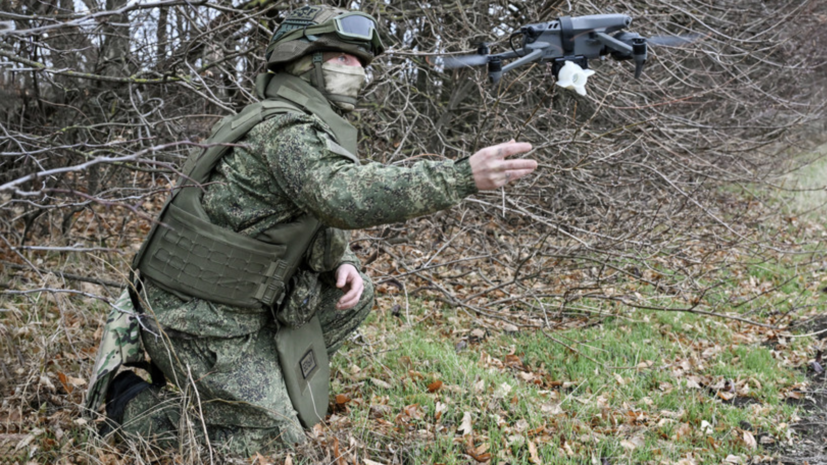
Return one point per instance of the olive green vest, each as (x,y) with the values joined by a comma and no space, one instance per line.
(186,254)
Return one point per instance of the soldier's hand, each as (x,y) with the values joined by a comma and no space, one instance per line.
(350,281)
(491,169)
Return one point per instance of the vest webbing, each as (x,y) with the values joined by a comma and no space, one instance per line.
(186,254)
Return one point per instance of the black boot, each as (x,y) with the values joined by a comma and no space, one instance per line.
(124,388)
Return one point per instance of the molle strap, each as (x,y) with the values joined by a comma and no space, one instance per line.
(192,256)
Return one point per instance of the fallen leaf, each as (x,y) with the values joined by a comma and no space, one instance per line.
(65,382)
(379,411)
(28,439)
(24,442)
(433,387)
(259,459)
(371,462)
(465,427)
(767,440)
(532,452)
(380,383)
(513,361)
(44,381)
(632,443)
(706,427)
(338,456)
(439,410)
(683,430)
(551,409)
(342,399)
(509,328)
(479,386)
(502,391)
(477,453)
(749,440)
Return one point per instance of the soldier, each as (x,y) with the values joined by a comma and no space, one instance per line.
(249,283)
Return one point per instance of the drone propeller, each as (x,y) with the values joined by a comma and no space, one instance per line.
(673,41)
(451,62)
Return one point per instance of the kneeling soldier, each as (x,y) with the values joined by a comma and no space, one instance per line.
(247,285)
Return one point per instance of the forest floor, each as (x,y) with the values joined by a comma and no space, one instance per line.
(425,383)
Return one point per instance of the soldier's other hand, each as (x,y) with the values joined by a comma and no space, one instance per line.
(492,170)
(350,281)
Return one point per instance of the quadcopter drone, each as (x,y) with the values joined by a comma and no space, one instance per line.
(568,43)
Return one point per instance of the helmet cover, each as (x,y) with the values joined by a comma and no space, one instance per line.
(312,29)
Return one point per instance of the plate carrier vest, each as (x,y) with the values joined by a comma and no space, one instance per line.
(186,254)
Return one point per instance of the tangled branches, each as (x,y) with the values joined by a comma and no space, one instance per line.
(99,106)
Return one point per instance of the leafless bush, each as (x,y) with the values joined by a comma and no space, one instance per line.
(100,106)
(632,205)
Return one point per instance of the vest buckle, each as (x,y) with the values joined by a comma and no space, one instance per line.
(271,291)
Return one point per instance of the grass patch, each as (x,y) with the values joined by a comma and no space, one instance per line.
(656,386)
(809,181)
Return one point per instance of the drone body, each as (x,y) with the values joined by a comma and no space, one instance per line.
(573,40)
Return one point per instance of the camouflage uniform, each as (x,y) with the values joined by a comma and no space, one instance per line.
(228,353)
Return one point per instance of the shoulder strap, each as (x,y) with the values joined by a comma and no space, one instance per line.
(197,168)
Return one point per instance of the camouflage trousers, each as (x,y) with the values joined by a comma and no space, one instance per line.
(230,391)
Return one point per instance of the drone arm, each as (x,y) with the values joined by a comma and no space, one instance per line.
(613,43)
(526,59)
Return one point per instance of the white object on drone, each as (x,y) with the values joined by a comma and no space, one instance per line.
(573,77)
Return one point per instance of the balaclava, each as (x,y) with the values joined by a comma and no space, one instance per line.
(339,83)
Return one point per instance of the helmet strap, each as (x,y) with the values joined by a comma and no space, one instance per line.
(317,79)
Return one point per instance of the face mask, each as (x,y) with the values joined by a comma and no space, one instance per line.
(343,81)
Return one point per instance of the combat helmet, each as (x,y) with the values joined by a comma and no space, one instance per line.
(323,28)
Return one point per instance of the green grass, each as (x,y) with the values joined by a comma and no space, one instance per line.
(639,386)
(619,394)
(810,180)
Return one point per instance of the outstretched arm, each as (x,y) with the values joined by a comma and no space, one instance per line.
(347,195)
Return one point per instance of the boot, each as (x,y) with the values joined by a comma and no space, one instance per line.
(124,388)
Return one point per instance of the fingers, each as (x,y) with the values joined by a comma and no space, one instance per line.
(507,149)
(349,280)
(341,277)
(518,164)
(491,170)
(351,297)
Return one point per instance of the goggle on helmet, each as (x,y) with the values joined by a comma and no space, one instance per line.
(351,32)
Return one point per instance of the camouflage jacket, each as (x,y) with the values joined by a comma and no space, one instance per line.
(286,169)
